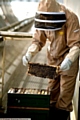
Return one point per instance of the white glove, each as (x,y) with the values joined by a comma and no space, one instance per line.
(32,50)
(26,58)
(66,64)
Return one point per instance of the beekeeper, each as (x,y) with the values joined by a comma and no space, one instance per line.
(53,21)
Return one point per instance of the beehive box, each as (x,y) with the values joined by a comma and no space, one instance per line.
(30,102)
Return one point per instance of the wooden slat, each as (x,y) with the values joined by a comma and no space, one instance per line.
(15,34)
(28,108)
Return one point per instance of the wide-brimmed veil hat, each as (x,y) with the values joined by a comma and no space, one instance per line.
(49,16)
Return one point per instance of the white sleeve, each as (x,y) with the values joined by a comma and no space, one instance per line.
(73,53)
(33,49)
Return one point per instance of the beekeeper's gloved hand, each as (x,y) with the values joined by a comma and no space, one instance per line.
(66,64)
(32,50)
(26,58)
(70,58)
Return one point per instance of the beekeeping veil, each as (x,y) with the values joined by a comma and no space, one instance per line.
(49,16)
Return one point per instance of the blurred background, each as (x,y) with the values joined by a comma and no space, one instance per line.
(18,16)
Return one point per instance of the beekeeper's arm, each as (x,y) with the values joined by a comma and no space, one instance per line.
(37,44)
(32,50)
(73,41)
(70,58)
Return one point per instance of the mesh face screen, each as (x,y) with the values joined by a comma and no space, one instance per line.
(56,16)
(49,20)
